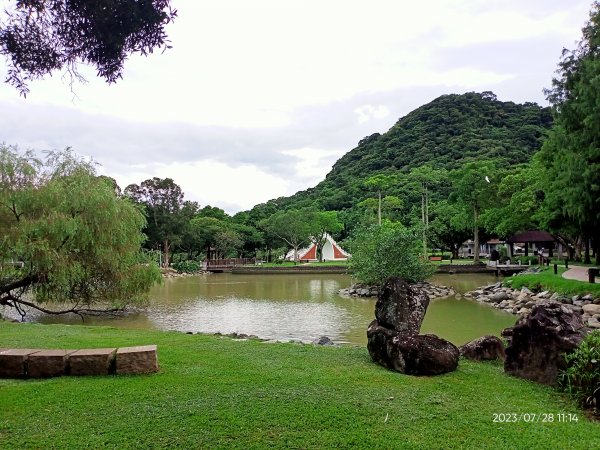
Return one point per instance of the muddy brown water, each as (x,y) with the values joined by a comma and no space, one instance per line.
(294,307)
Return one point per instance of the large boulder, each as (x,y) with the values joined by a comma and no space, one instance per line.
(424,354)
(485,348)
(400,307)
(539,341)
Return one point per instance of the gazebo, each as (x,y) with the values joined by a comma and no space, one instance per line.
(540,239)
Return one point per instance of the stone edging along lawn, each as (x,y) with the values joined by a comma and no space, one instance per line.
(38,363)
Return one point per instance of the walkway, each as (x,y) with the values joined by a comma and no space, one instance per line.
(579,273)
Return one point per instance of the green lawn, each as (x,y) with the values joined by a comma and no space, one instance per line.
(547,281)
(215,392)
(292,264)
(458,262)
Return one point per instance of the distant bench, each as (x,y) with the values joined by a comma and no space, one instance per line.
(435,258)
(38,363)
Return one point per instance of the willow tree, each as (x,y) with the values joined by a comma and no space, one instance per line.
(69,244)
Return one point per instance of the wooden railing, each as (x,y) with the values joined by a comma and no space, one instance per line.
(229,262)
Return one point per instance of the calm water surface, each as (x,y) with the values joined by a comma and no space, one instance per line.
(299,306)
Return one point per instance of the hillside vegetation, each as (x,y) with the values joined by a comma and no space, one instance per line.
(444,133)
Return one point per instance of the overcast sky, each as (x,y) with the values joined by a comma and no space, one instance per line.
(257,99)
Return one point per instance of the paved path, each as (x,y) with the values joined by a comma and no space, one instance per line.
(576,273)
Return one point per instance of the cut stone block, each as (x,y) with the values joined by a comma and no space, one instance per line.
(96,361)
(47,363)
(12,362)
(142,359)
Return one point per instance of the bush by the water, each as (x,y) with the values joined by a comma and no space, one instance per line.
(188,266)
(389,250)
(581,379)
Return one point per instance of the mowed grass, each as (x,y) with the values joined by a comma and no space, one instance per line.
(215,392)
(547,281)
(299,264)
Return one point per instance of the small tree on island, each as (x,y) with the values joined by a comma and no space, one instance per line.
(67,238)
(389,250)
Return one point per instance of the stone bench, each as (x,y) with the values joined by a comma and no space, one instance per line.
(43,363)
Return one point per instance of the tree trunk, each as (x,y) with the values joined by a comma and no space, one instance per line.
(586,257)
(476,237)
(379,209)
(166,253)
(455,249)
(424,226)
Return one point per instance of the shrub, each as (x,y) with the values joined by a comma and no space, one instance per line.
(188,266)
(525,260)
(581,379)
(380,252)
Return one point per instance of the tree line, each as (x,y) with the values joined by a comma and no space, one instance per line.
(460,167)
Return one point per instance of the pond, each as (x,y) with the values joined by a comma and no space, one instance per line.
(294,307)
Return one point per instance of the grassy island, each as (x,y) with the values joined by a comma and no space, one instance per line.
(216,392)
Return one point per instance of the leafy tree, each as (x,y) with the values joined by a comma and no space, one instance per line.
(390,204)
(449,226)
(426,177)
(321,224)
(380,183)
(187,242)
(205,231)
(571,155)
(42,36)
(475,188)
(163,201)
(228,243)
(252,239)
(292,227)
(380,252)
(519,205)
(67,238)
(213,211)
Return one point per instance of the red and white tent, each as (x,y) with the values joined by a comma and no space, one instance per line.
(331,252)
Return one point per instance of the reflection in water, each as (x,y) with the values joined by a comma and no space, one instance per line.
(294,306)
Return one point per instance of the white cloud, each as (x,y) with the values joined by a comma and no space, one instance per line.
(237,188)
(369,112)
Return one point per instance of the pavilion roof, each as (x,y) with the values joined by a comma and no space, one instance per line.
(531,236)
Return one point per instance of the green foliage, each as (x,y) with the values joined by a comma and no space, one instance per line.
(443,135)
(79,243)
(322,223)
(547,281)
(571,155)
(186,266)
(386,251)
(449,226)
(43,36)
(581,379)
(527,260)
(292,227)
(162,200)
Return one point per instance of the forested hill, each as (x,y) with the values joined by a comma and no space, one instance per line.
(449,130)
(444,133)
